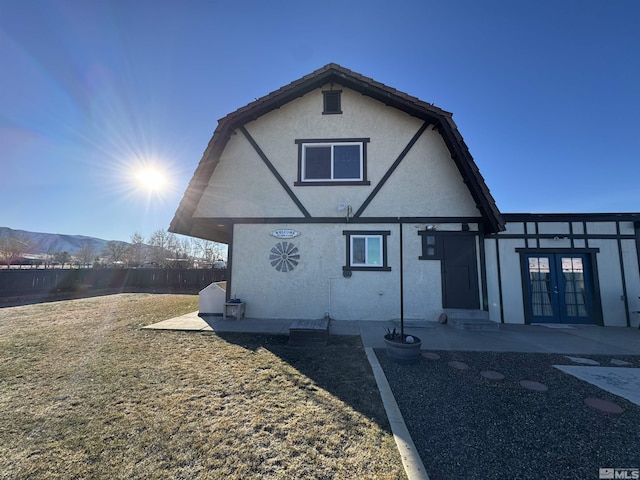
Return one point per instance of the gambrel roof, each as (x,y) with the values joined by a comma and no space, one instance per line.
(333,73)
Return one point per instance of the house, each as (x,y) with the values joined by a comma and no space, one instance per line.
(338,195)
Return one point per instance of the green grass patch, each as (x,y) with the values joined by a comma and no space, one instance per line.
(85,393)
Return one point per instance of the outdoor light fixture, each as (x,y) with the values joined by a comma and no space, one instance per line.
(342,207)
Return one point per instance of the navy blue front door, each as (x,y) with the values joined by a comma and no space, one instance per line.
(559,288)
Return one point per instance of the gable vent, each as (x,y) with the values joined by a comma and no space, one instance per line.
(332,102)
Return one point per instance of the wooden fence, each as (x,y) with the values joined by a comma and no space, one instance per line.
(27,283)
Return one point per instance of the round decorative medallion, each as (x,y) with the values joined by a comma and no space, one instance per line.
(284,256)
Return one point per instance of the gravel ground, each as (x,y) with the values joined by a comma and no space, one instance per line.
(467,426)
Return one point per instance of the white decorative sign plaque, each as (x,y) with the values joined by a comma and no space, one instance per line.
(285,233)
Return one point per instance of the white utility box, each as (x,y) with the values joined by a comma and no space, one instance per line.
(211,299)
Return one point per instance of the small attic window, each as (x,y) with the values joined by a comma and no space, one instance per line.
(331,102)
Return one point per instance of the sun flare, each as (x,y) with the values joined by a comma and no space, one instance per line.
(151,179)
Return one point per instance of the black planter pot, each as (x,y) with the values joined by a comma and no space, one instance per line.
(401,352)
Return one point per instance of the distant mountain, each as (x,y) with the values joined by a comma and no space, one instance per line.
(55,242)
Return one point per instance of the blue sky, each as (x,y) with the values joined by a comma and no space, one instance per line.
(546,94)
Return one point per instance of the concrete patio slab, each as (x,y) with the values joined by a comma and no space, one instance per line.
(578,340)
(621,381)
(215,323)
(190,322)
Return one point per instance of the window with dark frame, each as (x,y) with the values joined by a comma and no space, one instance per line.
(431,245)
(366,250)
(331,102)
(332,162)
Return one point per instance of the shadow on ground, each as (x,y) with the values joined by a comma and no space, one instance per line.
(340,368)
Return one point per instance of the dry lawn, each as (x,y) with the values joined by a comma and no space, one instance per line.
(85,393)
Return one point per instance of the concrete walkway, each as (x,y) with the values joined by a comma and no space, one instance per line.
(574,339)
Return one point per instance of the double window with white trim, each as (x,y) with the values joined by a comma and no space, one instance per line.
(332,161)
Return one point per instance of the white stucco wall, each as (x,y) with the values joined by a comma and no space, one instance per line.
(316,285)
(422,279)
(610,282)
(554,228)
(601,228)
(512,299)
(493,280)
(632,279)
(426,183)
(243,186)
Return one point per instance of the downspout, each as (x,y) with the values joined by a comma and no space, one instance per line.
(229,264)
(636,229)
(625,293)
(401,285)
